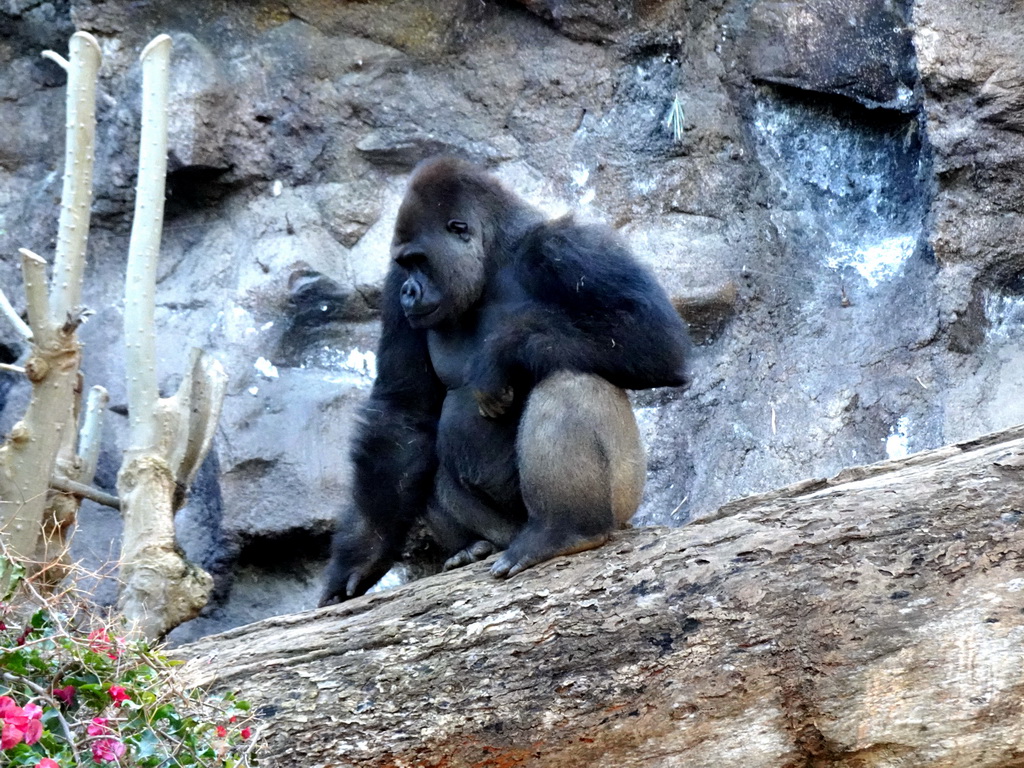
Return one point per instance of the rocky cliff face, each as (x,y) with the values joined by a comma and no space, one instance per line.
(829,191)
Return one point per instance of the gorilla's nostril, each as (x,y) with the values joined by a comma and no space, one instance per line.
(411,291)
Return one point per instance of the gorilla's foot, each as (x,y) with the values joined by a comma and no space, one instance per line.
(532,547)
(474,553)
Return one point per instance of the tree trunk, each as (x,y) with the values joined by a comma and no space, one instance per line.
(29,455)
(876,619)
(168,437)
(160,587)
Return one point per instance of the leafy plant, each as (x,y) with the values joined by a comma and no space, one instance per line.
(77,690)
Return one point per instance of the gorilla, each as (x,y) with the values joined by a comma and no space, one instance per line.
(498,412)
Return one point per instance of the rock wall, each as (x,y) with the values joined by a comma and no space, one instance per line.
(827,189)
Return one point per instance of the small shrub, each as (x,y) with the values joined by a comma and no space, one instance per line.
(76,692)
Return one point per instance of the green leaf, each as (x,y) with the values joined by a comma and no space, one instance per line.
(146,744)
(80,679)
(144,672)
(51,719)
(11,576)
(16,662)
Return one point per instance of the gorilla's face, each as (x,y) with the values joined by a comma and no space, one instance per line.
(439,248)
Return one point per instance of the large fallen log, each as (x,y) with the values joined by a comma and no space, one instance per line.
(875,619)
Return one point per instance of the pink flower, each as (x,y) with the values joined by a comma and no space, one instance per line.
(19,724)
(46,762)
(65,695)
(33,732)
(101,641)
(97,727)
(118,694)
(107,750)
(221,731)
(246,733)
(98,640)
(10,736)
(34,727)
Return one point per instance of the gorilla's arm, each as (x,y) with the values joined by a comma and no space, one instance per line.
(392,455)
(591,307)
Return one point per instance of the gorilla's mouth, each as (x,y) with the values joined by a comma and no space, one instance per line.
(421,318)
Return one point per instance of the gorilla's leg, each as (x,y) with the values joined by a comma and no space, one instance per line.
(581,469)
(476,508)
(452,504)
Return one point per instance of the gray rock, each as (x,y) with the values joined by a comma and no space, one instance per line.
(200,108)
(862,50)
(350,208)
(592,20)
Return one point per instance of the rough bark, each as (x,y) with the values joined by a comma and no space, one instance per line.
(75,468)
(160,588)
(875,619)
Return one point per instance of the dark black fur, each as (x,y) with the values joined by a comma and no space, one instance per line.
(587,306)
(484,301)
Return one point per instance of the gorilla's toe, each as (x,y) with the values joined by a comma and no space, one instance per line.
(474,553)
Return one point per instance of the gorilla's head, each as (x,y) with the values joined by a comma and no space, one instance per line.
(447,238)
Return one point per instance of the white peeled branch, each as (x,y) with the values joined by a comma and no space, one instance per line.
(144,246)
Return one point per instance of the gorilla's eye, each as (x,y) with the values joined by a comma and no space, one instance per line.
(458,227)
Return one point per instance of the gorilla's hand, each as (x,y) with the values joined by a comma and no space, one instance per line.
(345,580)
(352,570)
(491,390)
(494,405)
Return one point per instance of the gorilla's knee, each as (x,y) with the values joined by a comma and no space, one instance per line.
(581,468)
(580,451)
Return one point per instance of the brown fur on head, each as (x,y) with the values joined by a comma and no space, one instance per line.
(451,222)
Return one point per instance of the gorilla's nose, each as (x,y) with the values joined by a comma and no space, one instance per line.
(411,293)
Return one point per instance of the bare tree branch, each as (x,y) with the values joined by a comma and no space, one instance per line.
(84,491)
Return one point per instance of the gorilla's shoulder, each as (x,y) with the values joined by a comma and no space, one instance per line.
(582,258)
